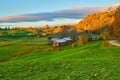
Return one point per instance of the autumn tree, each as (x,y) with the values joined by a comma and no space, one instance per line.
(105,35)
(116,24)
(96,21)
(1,34)
(73,34)
(46,27)
(82,40)
(63,33)
(57,29)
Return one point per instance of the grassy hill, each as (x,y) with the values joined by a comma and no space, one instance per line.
(88,62)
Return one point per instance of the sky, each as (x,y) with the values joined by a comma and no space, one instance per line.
(51,12)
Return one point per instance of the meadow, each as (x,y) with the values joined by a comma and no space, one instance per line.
(30,58)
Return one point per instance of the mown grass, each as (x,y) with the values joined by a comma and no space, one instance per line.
(10,46)
(61,70)
(87,62)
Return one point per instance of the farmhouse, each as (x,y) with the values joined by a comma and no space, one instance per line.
(59,42)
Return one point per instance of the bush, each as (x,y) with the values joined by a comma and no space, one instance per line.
(118,41)
(73,45)
(57,49)
(82,40)
(1,34)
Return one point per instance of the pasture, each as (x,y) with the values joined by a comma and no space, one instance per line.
(29,58)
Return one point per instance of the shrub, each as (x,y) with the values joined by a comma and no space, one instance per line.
(107,44)
(118,41)
(82,40)
(73,45)
(1,34)
(57,49)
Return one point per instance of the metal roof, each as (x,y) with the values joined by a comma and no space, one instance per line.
(60,40)
(67,38)
(54,39)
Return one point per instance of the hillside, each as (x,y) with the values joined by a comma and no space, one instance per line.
(96,21)
(27,54)
(87,62)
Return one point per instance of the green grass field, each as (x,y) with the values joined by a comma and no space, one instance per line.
(28,58)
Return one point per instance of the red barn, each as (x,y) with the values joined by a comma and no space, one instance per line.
(59,42)
(63,41)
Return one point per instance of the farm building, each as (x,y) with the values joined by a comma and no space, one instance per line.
(68,39)
(53,39)
(59,42)
(92,37)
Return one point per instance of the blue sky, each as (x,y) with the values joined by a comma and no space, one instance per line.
(43,8)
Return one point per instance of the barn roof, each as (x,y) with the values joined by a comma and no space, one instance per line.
(60,40)
(54,39)
(67,38)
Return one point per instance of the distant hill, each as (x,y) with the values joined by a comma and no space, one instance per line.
(98,20)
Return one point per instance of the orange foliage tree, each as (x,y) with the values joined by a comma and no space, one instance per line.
(96,21)
(116,24)
(82,40)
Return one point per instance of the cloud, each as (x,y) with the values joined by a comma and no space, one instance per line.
(71,13)
(54,22)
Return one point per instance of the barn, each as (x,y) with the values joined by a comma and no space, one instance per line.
(63,41)
(53,39)
(68,40)
(59,42)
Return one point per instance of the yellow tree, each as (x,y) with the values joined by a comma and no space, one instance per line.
(82,40)
(116,24)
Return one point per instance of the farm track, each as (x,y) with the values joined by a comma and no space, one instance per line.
(114,43)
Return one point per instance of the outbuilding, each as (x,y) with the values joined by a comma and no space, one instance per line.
(63,41)
(92,38)
(59,42)
(68,40)
(53,39)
